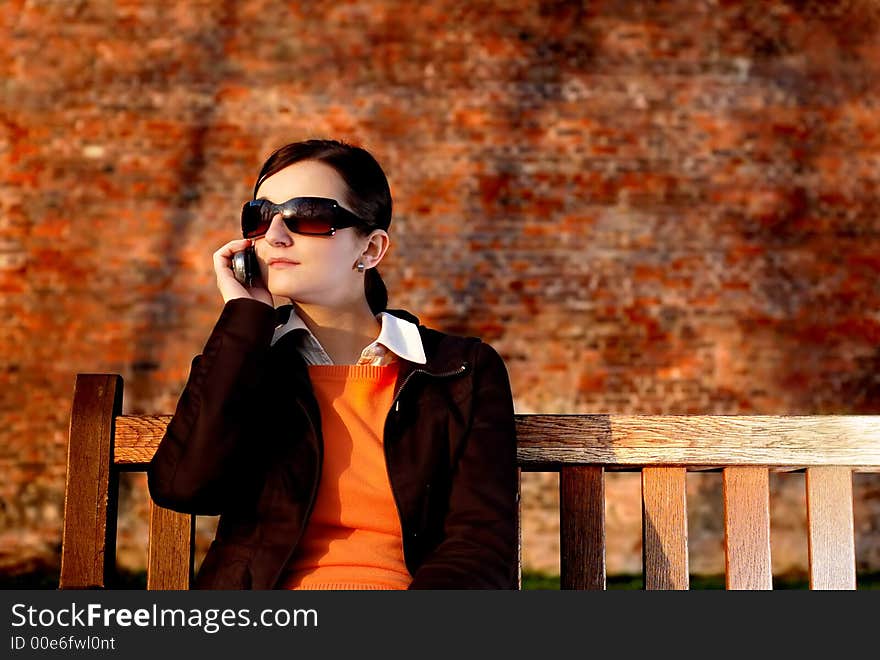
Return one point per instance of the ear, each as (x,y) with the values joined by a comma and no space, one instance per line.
(376,246)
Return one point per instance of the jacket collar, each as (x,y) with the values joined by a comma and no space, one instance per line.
(441,356)
(399,332)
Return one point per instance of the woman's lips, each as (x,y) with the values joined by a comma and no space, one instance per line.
(280,263)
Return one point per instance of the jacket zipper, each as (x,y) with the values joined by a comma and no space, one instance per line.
(461,369)
(396,401)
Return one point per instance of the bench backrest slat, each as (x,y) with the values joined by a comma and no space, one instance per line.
(831,539)
(582,527)
(664,528)
(747,528)
(699,441)
(170,554)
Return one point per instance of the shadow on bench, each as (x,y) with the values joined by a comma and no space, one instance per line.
(828,448)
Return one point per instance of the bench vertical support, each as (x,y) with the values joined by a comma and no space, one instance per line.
(519,513)
(831,538)
(170,554)
(91,484)
(747,528)
(664,528)
(582,527)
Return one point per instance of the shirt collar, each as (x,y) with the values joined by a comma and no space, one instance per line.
(398,335)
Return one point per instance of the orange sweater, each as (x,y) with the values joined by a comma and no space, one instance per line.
(353,538)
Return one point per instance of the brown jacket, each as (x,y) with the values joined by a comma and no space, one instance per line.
(245,443)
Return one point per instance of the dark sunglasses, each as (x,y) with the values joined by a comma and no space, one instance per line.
(312,216)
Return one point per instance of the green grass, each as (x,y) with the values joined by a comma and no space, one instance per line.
(542,581)
(531,581)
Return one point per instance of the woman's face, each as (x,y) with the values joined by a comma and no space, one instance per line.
(325,272)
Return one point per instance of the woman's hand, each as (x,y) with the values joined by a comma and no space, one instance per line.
(229,286)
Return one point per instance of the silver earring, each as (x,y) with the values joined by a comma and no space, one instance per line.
(360,266)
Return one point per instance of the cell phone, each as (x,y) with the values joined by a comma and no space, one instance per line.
(245,266)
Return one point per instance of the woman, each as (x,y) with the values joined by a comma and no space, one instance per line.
(343,445)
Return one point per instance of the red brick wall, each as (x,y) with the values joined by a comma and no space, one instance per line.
(647,207)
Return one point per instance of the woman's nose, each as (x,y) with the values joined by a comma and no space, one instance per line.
(277,233)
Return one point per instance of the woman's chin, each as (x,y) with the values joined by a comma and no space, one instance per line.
(279,285)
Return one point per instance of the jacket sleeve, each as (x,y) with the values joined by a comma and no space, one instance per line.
(481,541)
(192,468)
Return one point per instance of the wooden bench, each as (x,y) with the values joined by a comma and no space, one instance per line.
(581,448)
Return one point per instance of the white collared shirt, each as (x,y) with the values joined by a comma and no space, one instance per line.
(397,338)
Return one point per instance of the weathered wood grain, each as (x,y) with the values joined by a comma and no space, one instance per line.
(170,553)
(831,536)
(519,527)
(747,528)
(699,441)
(582,527)
(137,438)
(88,538)
(664,528)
